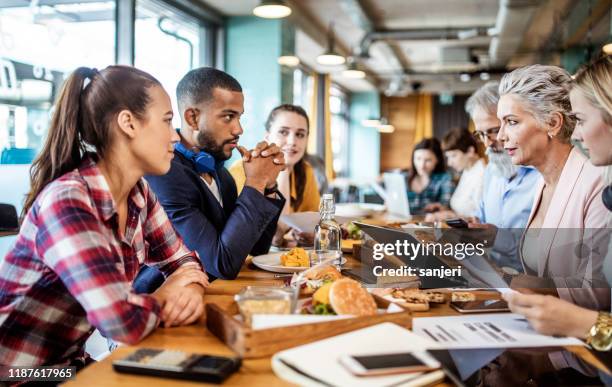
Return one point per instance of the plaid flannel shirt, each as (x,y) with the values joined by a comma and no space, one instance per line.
(71,271)
(439,190)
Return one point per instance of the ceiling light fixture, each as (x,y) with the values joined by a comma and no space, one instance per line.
(330,57)
(288,60)
(485,76)
(607,49)
(371,122)
(465,77)
(354,74)
(352,71)
(386,128)
(272,9)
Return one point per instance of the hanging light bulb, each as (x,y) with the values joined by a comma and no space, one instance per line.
(386,128)
(330,57)
(354,74)
(272,9)
(607,49)
(288,60)
(371,122)
(352,71)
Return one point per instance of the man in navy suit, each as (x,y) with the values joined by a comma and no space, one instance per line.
(198,193)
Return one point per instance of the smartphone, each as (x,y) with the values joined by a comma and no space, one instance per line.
(456,223)
(480,306)
(178,365)
(389,364)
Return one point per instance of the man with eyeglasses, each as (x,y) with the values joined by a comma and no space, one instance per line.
(508,190)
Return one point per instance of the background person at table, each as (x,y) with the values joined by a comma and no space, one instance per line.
(464,155)
(508,189)
(288,127)
(591,100)
(199,194)
(430,186)
(565,233)
(91,221)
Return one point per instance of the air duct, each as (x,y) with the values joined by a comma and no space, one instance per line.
(513,19)
(420,34)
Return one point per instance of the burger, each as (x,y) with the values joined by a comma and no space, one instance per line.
(316,278)
(343,296)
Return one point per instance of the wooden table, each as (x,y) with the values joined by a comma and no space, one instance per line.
(8,233)
(197,338)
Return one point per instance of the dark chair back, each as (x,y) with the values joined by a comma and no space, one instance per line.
(9,221)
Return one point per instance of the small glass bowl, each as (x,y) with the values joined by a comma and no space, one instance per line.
(264,300)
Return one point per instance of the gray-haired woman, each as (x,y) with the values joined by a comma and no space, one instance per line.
(592,105)
(536,126)
(566,236)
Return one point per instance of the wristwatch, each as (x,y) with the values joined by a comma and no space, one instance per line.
(600,334)
(271,190)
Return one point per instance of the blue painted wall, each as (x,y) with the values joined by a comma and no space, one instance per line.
(364,143)
(252,48)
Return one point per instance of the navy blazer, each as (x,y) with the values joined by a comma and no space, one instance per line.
(222,236)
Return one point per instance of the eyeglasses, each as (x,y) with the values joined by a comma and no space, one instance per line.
(490,133)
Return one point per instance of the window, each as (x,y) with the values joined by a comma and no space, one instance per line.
(167,45)
(302,89)
(39,46)
(41,42)
(338,106)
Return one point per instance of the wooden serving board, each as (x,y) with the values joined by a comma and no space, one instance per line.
(251,344)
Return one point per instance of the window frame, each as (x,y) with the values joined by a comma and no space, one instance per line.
(344,114)
(212,36)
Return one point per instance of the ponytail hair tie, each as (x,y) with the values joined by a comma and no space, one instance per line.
(89,76)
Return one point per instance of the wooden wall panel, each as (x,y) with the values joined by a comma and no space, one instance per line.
(396,147)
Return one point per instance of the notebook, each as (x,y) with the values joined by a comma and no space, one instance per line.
(317,363)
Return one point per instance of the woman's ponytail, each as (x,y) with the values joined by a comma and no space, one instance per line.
(62,150)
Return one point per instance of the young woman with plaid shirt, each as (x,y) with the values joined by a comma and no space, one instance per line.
(90,223)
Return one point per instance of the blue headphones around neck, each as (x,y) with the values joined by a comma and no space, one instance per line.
(203,161)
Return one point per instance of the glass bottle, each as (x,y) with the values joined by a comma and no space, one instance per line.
(327,232)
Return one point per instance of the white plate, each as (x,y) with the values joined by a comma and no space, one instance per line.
(271,262)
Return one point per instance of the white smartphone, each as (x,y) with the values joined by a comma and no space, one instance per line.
(389,364)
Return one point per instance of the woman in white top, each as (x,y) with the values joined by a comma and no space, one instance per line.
(464,155)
